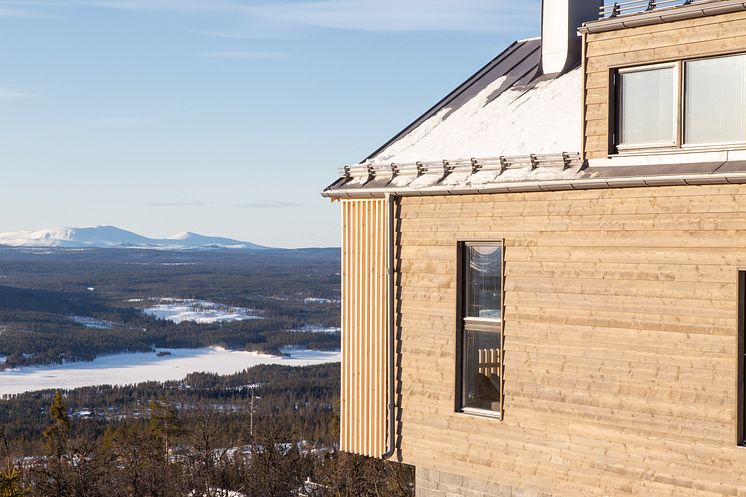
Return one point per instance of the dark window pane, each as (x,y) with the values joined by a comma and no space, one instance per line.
(481,370)
(483,281)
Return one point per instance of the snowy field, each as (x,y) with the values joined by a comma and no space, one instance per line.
(311,328)
(317,300)
(199,311)
(92,323)
(124,369)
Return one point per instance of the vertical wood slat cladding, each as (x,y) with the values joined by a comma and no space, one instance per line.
(364,338)
(619,341)
(691,38)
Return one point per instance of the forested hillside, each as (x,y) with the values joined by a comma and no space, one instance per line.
(69,305)
(270,431)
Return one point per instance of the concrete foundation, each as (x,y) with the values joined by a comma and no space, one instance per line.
(433,483)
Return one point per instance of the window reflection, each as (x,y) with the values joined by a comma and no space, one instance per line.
(481,327)
(481,370)
(484,281)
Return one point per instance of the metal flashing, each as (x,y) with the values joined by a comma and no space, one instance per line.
(702,8)
(586,178)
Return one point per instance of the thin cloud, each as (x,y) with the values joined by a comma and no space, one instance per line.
(253,32)
(269,204)
(361,15)
(165,5)
(111,122)
(245,55)
(397,15)
(14,12)
(179,203)
(13,93)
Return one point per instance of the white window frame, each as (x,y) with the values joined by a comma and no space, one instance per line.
(618,148)
(487,325)
(622,147)
(682,132)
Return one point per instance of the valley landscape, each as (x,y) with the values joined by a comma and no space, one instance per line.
(60,305)
(223,337)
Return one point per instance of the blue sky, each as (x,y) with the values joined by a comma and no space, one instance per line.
(224,117)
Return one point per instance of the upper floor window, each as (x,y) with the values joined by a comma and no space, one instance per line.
(480,327)
(647,106)
(693,103)
(715,100)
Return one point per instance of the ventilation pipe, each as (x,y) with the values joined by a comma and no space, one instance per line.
(560,43)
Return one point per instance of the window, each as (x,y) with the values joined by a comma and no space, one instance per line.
(480,327)
(658,108)
(715,100)
(647,103)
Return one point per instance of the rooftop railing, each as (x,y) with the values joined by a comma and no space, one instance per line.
(369,171)
(617,9)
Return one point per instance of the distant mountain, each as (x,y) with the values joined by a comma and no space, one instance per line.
(113,237)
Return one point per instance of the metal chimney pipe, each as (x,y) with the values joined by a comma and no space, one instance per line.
(560,43)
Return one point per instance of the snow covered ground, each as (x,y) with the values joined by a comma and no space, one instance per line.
(124,369)
(317,300)
(312,328)
(92,323)
(199,311)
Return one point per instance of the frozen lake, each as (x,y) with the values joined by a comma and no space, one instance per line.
(124,369)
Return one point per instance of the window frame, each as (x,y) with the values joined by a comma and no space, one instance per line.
(677,117)
(741,362)
(489,325)
(680,76)
(682,104)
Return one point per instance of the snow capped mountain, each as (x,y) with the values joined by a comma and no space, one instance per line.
(113,237)
(190,238)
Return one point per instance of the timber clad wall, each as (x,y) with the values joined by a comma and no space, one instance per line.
(705,36)
(620,341)
(364,340)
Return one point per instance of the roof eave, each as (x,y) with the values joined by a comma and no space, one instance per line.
(543,186)
(663,15)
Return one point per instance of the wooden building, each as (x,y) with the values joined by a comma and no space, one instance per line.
(544,276)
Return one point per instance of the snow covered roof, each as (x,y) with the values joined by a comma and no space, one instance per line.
(501,119)
(506,129)
(504,124)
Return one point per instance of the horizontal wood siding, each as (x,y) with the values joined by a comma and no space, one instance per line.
(701,37)
(620,340)
(364,340)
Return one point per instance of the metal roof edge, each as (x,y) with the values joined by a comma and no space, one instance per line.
(539,186)
(662,16)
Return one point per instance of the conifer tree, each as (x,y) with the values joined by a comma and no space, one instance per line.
(57,433)
(10,483)
(54,481)
(165,423)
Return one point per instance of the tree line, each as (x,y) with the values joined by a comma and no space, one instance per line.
(301,398)
(166,455)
